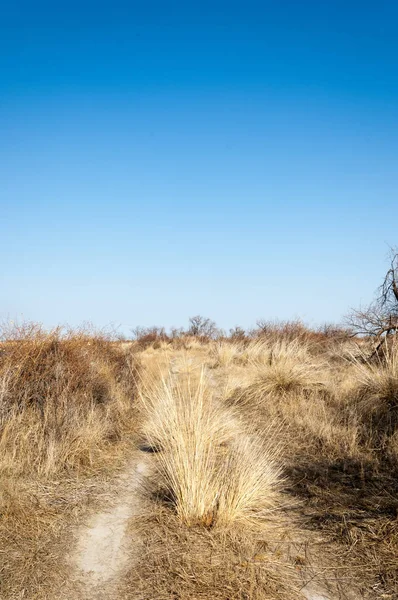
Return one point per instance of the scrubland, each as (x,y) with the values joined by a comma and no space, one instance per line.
(272,462)
(66,423)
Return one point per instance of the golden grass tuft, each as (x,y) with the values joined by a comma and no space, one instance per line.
(225,353)
(250,481)
(374,396)
(284,368)
(212,473)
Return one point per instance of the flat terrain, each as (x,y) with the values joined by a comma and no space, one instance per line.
(229,469)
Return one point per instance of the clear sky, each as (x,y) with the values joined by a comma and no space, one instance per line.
(163,159)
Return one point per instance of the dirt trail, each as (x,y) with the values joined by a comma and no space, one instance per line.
(103,548)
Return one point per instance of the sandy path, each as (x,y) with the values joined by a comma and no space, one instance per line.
(103,548)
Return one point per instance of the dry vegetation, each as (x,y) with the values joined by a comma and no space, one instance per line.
(66,421)
(211,470)
(274,460)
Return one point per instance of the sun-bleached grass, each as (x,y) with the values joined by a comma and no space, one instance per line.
(181,421)
(255,351)
(189,563)
(225,353)
(323,405)
(284,368)
(250,481)
(376,393)
(239,430)
(213,473)
(337,414)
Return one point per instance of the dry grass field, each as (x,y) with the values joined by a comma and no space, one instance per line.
(264,466)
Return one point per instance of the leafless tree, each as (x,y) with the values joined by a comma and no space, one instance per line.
(202,327)
(380,318)
(237,333)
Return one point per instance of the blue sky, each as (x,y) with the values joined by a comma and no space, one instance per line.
(159,160)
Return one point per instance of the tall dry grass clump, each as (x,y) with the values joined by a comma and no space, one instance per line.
(64,397)
(182,423)
(211,472)
(283,368)
(225,353)
(249,481)
(373,397)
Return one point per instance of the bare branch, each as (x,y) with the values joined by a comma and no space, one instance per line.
(380,318)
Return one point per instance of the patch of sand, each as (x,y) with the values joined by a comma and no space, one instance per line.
(103,548)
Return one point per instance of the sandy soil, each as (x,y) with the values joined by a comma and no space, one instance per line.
(103,548)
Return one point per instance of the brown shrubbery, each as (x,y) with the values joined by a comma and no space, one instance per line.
(63,398)
(204,331)
(67,414)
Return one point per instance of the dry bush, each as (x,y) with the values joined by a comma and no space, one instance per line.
(210,471)
(150,336)
(67,412)
(63,399)
(320,338)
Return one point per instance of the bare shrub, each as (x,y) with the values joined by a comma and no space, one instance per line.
(202,327)
(63,398)
(379,320)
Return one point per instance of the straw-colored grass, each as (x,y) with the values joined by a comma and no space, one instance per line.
(250,481)
(340,447)
(225,354)
(376,395)
(249,440)
(212,472)
(192,563)
(284,368)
